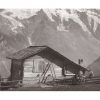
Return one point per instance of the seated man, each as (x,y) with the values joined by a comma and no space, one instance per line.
(78,78)
(81,77)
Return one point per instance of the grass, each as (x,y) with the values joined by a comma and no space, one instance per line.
(85,87)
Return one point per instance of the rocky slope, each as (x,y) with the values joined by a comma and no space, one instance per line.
(95,67)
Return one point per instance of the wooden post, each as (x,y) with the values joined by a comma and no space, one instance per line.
(33,69)
(63,71)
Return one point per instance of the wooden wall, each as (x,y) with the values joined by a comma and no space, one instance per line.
(16,71)
(34,62)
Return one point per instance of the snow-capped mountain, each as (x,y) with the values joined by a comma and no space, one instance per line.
(63,14)
(72,32)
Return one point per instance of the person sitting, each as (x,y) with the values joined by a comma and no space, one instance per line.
(81,76)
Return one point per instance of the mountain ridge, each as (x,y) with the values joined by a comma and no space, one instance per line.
(72,32)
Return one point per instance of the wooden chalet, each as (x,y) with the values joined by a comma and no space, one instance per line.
(32,59)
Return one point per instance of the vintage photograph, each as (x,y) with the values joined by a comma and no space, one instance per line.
(50,49)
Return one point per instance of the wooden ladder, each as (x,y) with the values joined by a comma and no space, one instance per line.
(42,80)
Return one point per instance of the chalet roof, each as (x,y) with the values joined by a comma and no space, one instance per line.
(27,52)
(44,51)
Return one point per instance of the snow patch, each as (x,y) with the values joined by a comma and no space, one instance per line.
(49,13)
(29,41)
(14,23)
(64,15)
(61,27)
(93,16)
(21,13)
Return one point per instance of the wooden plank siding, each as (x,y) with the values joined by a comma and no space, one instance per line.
(32,62)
